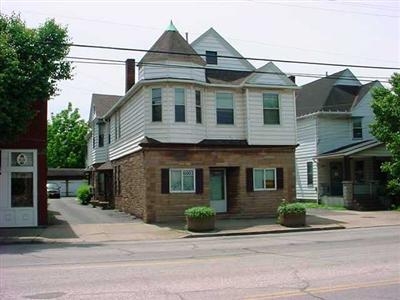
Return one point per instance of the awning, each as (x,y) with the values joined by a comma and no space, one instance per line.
(105,167)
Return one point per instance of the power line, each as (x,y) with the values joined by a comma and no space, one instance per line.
(235,57)
(88,60)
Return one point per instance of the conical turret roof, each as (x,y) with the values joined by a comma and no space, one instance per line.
(173,47)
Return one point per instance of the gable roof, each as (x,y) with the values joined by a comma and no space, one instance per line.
(101,103)
(213,33)
(335,93)
(172,42)
(269,74)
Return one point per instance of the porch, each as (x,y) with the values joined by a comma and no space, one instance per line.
(351,176)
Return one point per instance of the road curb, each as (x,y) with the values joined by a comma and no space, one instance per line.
(216,234)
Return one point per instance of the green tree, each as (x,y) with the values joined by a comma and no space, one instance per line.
(386,128)
(32,61)
(66,143)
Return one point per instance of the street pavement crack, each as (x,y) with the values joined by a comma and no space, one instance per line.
(306,285)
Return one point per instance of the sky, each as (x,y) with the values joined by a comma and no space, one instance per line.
(339,32)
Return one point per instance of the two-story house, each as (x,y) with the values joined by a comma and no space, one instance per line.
(23,172)
(338,160)
(201,126)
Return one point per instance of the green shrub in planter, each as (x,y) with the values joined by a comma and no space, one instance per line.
(200,218)
(84,194)
(292,214)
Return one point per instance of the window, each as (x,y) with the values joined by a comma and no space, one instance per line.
(179,105)
(357,128)
(211,57)
(264,179)
(156,105)
(21,189)
(198,107)
(108,131)
(271,108)
(182,180)
(117,125)
(310,175)
(224,108)
(101,134)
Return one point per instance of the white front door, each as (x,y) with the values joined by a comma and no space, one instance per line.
(218,190)
(18,188)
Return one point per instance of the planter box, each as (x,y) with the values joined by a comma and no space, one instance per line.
(292,220)
(203,224)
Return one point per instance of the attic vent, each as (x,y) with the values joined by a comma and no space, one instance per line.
(211,57)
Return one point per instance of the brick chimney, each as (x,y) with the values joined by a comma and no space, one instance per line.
(129,73)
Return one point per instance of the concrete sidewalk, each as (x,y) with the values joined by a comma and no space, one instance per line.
(317,219)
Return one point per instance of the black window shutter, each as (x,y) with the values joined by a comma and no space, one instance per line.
(199,181)
(279,178)
(164,181)
(249,180)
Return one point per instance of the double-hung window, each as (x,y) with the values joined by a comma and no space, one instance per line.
(357,128)
(101,128)
(310,175)
(156,106)
(179,105)
(182,180)
(198,107)
(264,179)
(271,108)
(117,125)
(225,113)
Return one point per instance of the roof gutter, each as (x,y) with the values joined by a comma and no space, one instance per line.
(318,113)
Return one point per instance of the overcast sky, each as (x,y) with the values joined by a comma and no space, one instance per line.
(343,32)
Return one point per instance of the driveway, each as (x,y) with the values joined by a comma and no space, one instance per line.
(69,210)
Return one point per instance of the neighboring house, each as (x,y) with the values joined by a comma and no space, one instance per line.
(68,179)
(23,170)
(338,160)
(99,167)
(199,128)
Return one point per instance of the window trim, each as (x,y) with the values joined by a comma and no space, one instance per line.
(216,109)
(355,128)
(184,104)
(272,109)
(264,189)
(152,105)
(181,171)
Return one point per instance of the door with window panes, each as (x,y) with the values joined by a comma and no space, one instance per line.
(18,188)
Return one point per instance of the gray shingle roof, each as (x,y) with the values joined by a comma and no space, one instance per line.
(172,41)
(102,103)
(324,95)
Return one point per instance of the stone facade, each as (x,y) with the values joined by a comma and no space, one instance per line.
(141,180)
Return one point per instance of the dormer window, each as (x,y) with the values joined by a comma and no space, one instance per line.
(357,128)
(211,58)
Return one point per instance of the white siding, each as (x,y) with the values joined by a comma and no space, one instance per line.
(334,133)
(363,109)
(260,134)
(132,127)
(185,71)
(211,42)
(305,152)
(99,154)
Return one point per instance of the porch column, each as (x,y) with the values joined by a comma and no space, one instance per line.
(346,166)
(348,193)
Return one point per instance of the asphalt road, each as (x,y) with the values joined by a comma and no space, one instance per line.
(345,264)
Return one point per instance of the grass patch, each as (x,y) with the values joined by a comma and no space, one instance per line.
(323,206)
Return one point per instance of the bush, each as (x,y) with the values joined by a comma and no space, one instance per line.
(200,212)
(291,208)
(84,194)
